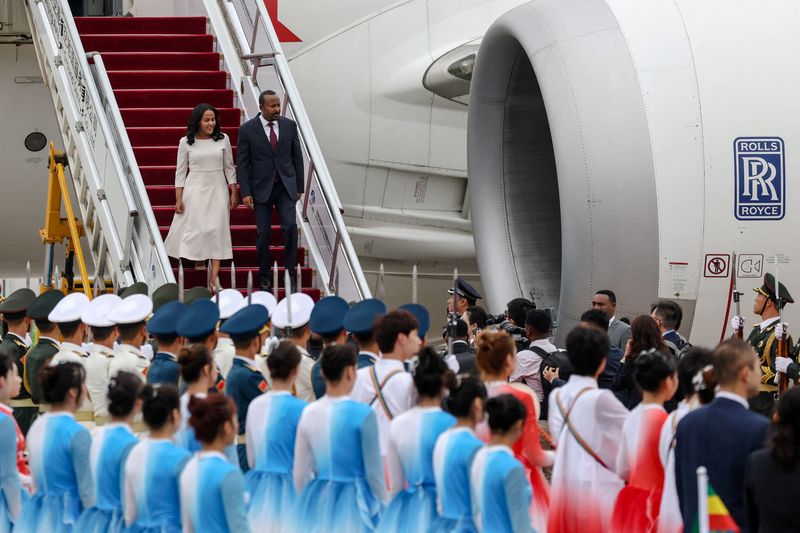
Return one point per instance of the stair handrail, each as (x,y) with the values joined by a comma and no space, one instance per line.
(159,258)
(80,101)
(323,225)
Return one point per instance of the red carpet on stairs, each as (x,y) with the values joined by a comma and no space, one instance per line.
(160,68)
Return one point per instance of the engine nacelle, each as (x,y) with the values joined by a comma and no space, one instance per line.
(633,145)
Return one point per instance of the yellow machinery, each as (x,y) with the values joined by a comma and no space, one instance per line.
(57,229)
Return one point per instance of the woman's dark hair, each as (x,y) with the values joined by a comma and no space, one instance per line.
(209,414)
(123,391)
(335,358)
(785,439)
(194,123)
(693,361)
(7,362)
(158,402)
(645,336)
(58,380)
(459,402)
(283,359)
(504,411)
(432,374)
(493,349)
(193,359)
(650,369)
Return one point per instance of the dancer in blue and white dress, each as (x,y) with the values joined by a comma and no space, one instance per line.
(11,438)
(337,458)
(110,448)
(151,500)
(272,421)
(58,451)
(212,489)
(501,491)
(412,437)
(453,455)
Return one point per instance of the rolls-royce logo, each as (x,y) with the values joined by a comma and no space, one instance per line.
(760,178)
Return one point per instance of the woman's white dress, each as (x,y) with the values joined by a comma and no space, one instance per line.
(204,170)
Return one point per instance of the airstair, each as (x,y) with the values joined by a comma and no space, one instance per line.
(123,87)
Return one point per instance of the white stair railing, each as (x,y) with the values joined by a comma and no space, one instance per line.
(123,237)
(254,57)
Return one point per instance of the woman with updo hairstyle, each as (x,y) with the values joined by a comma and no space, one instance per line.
(272,420)
(58,451)
(638,461)
(772,474)
(199,373)
(696,384)
(453,454)
(151,498)
(412,437)
(13,462)
(211,488)
(497,360)
(110,448)
(205,193)
(498,481)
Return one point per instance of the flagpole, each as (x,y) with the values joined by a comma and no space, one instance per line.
(702,499)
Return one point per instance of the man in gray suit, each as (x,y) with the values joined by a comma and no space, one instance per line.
(618,332)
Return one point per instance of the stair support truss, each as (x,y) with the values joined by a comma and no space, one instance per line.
(123,239)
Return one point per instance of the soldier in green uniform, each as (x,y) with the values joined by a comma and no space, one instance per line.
(46,344)
(764,341)
(14,310)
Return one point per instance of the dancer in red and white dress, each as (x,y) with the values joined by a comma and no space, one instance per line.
(697,387)
(496,361)
(638,463)
(587,424)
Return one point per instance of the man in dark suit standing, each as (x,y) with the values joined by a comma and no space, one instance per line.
(270,173)
(721,435)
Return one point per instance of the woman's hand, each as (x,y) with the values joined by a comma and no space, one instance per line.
(179,208)
(627,354)
(234,200)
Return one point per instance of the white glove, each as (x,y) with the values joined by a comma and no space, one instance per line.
(780,329)
(737,322)
(781,364)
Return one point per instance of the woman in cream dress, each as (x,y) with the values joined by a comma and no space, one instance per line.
(205,192)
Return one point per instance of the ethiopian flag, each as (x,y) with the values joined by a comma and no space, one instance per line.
(719,519)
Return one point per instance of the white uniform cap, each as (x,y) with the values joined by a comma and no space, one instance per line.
(98,311)
(230,301)
(302,305)
(267,299)
(135,308)
(69,309)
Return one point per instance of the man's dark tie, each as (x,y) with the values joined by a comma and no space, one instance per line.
(273,138)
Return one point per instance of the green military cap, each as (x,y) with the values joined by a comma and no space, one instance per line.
(139,287)
(768,290)
(18,302)
(196,293)
(165,294)
(44,304)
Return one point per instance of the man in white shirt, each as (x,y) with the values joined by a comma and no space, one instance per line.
(386,385)
(586,422)
(537,329)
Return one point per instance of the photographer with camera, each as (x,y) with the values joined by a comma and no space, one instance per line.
(538,324)
(513,321)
